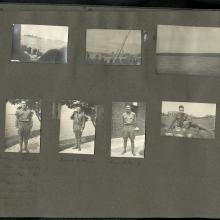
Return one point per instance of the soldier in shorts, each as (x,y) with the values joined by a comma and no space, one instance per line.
(129,122)
(79,120)
(24,123)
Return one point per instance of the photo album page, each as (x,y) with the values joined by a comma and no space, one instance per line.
(109,112)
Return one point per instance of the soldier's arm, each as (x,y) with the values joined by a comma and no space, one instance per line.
(123,120)
(135,120)
(189,118)
(83,122)
(31,120)
(71,117)
(16,120)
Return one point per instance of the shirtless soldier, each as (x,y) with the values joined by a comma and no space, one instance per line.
(24,124)
(183,121)
(129,123)
(79,121)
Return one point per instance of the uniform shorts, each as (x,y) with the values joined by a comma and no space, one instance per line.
(128,132)
(78,133)
(24,130)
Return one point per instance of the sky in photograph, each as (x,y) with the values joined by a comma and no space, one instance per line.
(191,108)
(46,31)
(187,39)
(108,40)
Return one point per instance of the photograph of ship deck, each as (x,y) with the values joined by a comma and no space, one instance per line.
(188,50)
(113,47)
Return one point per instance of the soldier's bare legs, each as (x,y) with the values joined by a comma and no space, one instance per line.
(132,147)
(26,145)
(21,143)
(79,141)
(76,140)
(125,145)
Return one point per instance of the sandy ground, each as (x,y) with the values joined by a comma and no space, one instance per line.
(86,148)
(33,146)
(117,147)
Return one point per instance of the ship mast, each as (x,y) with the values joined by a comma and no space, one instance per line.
(118,53)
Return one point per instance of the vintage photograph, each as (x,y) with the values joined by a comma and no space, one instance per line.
(188,119)
(22,126)
(39,43)
(113,47)
(78,126)
(188,50)
(128,129)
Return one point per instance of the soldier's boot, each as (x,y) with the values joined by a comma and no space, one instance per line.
(132,148)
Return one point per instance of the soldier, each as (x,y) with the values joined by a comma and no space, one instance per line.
(129,123)
(183,121)
(79,121)
(179,119)
(24,123)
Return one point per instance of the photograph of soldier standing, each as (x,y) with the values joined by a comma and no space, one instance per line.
(129,124)
(128,129)
(24,124)
(79,120)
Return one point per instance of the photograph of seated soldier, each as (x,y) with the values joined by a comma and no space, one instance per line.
(128,129)
(23,126)
(199,124)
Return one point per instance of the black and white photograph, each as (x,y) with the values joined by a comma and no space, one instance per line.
(188,119)
(113,47)
(128,129)
(39,43)
(188,50)
(78,121)
(23,126)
